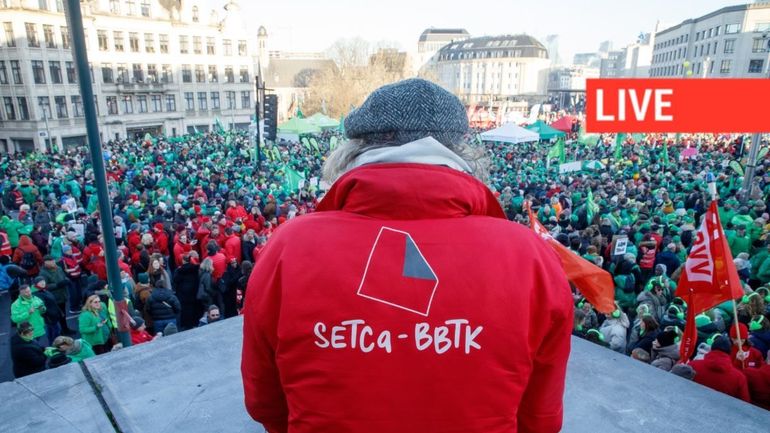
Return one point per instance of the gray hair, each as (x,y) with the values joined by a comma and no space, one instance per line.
(340,160)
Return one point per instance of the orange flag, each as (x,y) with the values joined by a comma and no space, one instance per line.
(709,277)
(594,283)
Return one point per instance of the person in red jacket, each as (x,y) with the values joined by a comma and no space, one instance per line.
(402,315)
(235,211)
(181,247)
(717,372)
(160,239)
(748,356)
(28,256)
(218,259)
(233,244)
(759,385)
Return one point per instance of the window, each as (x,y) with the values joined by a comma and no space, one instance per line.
(246,99)
(133,42)
(215,100)
(152,73)
(203,103)
(118,36)
(137,72)
(163,39)
(244,75)
(710,32)
(10,40)
(149,43)
(38,71)
(112,105)
(716,30)
(32,35)
(200,74)
(756,66)
(145,8)
(170,103)
(157,106)
(54,67)
(227,45)
(184,44)
(195,16)
(186,74)
(213,75)
(229,77)
(50,42)
(197,45)
(115,8)
(44,102)
(127,104)
(42,5)
(758,46)
(72,77)
(725,66)
(77,106)
(130,7)
(23,109)
(65,37)
(762,27)
(3,73)
(166,75)
(61,107)
(142,100)
(697,37)
(242,50)
(230,96)
(210,46)
(189,101)
(732,28)
(16,72)
(729,46)
(101,37)
(10,110)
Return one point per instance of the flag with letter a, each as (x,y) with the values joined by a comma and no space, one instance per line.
(709,277)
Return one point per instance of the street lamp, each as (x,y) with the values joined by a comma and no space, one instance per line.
(49,143)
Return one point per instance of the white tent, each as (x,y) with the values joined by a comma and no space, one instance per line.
(510,133)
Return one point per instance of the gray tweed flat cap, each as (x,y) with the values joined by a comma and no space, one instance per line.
(406,111)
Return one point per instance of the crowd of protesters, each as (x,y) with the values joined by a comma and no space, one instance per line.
(192,213)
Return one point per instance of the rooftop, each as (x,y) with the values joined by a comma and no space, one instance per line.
(433,34)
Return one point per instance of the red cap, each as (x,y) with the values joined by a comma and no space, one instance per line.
(158,227)
(743,330)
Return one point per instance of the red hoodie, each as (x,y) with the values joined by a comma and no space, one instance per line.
(418,308)
(716,371)
(759,385)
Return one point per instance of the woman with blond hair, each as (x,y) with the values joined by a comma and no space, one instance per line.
(94,324)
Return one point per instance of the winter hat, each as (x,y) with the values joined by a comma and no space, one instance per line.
(38,280)
(683,370)
(407,111)
(720,343)
(136,322)
(66,249)
(144,278)
(666,338)
(744,331)
(702,320)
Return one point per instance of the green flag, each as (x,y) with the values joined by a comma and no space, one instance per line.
(591,207)
(305,143)
(665,153)
(342,125)
(557,151)
(332,142)
(314,143)
(638,138)
(218,125)
(292,179)
(619,140)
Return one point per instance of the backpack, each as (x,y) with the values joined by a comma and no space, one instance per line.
(28,260)
(5,280)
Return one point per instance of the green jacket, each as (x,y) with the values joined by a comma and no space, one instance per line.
(52,278)
(14,229)
(757,260)
(88,325)
(85,352)
(739,244)
(763,273)
(20,313)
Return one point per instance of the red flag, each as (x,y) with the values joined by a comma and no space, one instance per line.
(709,277)
(593,282)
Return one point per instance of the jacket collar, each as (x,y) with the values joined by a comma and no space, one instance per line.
(410,191)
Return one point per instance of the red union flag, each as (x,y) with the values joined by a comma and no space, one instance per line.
(594,283)
(709,277)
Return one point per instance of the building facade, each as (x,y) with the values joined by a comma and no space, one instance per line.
(567,85)
(154,68)
(730,42)
(491,68)
(431,40)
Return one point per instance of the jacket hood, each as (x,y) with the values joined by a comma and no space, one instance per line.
(410,191)
(718,361)
(671,351)
(24,241)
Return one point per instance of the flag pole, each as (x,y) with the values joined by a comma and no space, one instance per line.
(712,186)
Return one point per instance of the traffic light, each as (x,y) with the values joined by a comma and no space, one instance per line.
(271,116)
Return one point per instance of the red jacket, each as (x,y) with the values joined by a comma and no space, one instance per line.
(161,240)
(180,249)
(26,246)
(403,315)
(220,265)
(755,359)
(139,337)
(233,248)
(236,212)
(759,385)
(716,371)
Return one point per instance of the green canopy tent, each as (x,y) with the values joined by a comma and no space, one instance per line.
(295,127)
(323,121)
(545,131)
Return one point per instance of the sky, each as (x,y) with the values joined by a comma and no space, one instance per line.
(314,25)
